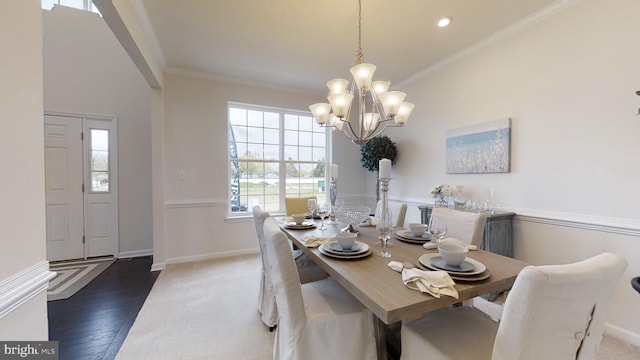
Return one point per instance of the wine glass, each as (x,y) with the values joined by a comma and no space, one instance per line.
(383,225)
(437,228)
(322,211)
(312,205)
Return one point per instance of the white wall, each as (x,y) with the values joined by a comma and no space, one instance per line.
(196,142)
(86,71)
(22,217)
(568,83)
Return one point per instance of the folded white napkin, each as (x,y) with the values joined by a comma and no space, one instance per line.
(368,222)
(434,283)
(313,241)
(433,245)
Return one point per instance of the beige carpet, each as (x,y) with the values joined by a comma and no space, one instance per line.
(202,310)
(208,310)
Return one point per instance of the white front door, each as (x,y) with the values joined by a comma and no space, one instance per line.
(63,184)
(81,187)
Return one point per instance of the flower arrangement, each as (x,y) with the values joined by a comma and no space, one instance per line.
(439,193)
(442,190)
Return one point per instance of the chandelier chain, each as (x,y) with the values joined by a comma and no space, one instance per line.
(359,56)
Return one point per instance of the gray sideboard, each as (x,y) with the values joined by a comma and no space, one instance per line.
(498,231)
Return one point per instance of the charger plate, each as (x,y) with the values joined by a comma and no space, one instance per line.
(364,251)
(304,226)
(406,234)
(479,267)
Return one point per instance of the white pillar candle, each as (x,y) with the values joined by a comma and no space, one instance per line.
(384,169)
(334,171)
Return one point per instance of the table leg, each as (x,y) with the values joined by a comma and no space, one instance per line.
(381,339)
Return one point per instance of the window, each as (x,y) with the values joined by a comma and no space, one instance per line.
(273,154)
(76,4)
(99,143)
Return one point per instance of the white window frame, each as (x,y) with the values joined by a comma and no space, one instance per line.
(282,160)
(86,5)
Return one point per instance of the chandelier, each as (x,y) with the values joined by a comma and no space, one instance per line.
(377,107)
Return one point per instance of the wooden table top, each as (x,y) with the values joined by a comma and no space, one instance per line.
(381,289)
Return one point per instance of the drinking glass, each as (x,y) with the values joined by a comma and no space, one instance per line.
(312,205)
(384,227)
(437,228)
(322,211)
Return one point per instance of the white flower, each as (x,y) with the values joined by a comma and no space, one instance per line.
(436,191)
(447,190)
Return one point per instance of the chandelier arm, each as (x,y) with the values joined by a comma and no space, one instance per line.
(380,110)
(348,131)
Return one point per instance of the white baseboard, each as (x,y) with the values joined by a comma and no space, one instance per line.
(218,255)
(21,287)
(158,266)
(622,334)
(135,253)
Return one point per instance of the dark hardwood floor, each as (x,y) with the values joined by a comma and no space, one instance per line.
(93,323)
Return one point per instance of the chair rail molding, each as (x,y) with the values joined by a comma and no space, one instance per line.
(21,287)
(194,203)
(581,221)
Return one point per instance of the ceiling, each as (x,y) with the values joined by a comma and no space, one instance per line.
(301,44)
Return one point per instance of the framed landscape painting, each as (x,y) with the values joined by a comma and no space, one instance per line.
(481,148)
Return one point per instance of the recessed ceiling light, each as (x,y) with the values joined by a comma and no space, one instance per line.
(444,21)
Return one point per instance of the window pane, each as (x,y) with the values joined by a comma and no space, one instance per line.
(271,136)
(271,152)
(240,133)
(305,153)
(291,153)
(306,123)
(264,141)
(255,135)
(241,149)
(99,139)
(78,4)
(272,120)
(238,116)
(254,118)
(99,142)
(319,155)
(305,138)
(48,4)
(290,122)
(254,151)
(99,181)
(319,139)
(290,137)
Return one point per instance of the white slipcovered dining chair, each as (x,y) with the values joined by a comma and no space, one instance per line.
(308,271)
(266,295)
(465,226)
(398,210)
(318,320)
(553,312)
(297,205)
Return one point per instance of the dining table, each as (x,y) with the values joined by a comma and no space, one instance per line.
(381,289)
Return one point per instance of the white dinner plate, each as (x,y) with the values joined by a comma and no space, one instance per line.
(344,256)
(364,250)
(409,241)
(304,226)
(479,267)
(438,261)
(336,247)
(406,234)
